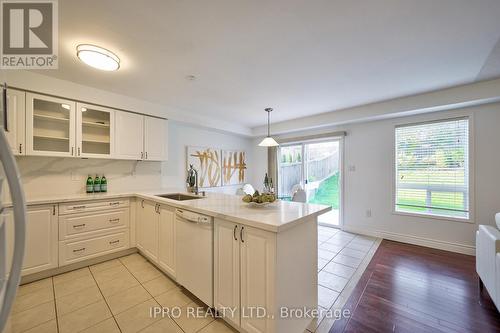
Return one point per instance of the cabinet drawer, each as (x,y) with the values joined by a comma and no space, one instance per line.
(91,206)
(74,251)
(86,224)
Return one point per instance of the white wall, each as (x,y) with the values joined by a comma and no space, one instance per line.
(181,136)
(369,148)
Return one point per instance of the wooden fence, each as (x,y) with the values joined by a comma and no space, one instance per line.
(317,171)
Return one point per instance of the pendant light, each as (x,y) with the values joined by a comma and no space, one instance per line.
(268,140)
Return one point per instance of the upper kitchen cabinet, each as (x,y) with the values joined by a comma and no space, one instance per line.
(50,126)
(15,127)
(129,136)
(155,139)
(95,127)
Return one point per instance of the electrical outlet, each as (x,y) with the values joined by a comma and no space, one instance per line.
(368,213)
(75,176)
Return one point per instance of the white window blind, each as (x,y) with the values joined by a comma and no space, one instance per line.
(432,168)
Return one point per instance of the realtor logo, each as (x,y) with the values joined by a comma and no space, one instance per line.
(29,34)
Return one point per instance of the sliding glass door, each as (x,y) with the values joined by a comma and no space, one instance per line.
(316,168)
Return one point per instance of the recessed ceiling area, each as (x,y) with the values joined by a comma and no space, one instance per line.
(299,57)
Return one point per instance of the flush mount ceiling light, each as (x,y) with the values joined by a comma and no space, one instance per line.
(268,140)
(98,57)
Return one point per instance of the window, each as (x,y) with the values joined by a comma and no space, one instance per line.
(432,168)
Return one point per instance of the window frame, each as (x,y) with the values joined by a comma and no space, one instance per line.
(437,119)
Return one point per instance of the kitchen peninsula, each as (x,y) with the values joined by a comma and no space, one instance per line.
(264,258)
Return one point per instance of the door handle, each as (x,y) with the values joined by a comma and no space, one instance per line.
(234,232)
(241,234)
(72,150)
(5,113)
(146,155)
(142,203)
(20,148)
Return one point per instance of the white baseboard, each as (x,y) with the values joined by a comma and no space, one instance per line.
(415,240)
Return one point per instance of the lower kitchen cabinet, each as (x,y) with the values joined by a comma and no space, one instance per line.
(244,274)
(41,238)
(155,228)
(76,250)
(147,230)
(166,239)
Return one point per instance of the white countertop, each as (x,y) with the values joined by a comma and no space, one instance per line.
(275,217)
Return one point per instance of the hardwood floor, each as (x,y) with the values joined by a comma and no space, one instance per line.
(408,288)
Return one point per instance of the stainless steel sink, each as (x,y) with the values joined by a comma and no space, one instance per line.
(178,196)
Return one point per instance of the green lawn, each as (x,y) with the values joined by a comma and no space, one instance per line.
(328,192)
(444,200)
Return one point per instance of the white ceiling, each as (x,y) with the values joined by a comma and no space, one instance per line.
(300,57)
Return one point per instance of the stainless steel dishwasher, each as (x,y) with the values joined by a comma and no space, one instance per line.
(194,242)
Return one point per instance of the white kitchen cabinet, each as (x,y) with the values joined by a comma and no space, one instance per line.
(156,234)
(41,238)
(147,230)
(50,126)
(129,136)
(95,131)
(244,274)
(258,267)
(227,269)
(166,239)
(75,250)
(155,139)
(16,121)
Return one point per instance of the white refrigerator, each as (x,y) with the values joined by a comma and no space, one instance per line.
(9,176)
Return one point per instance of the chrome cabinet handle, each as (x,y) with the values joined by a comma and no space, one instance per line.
(78,151)
(142,155)
(20,148)
(114,242)
(79,250)
(79,225)
(241,234)
(72,150)
(79,207)
(234,232)
(114,220)
(146,155)
(115,203)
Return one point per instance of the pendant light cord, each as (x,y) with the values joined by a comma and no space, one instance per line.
(268,123)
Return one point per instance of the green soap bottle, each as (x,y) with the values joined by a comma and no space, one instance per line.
(104,184)
(90,184)
(97,184)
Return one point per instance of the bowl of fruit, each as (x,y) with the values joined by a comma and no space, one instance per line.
(258,199)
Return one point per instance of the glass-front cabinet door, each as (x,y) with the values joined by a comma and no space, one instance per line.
(50,126)
(95,131)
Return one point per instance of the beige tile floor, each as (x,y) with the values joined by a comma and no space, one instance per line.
(342,258)
(114,296)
